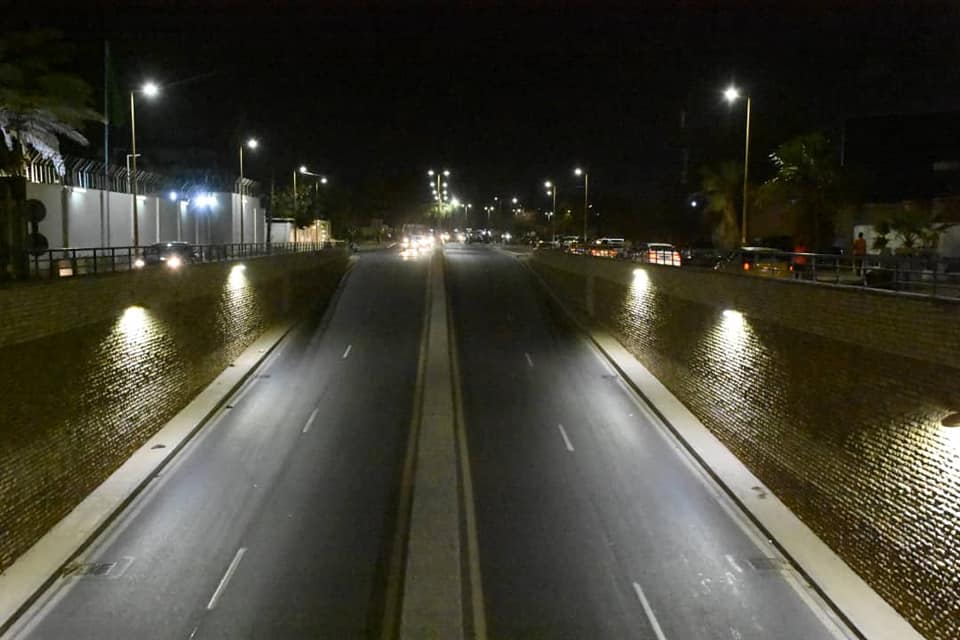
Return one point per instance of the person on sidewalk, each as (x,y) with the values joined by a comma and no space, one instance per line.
(859,252)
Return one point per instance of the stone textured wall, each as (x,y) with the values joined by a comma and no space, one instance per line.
(91,367)
(832,396)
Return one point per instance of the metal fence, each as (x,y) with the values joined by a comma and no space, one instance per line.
(935,277)
(71,262)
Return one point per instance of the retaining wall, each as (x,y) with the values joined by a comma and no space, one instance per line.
(91,367)
(833,396)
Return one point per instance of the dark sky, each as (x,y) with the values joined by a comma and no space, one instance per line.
(506,95)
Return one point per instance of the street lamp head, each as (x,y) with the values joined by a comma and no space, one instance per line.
(252,143)
(150,89)
(578,171)
(514,201)
(455,202)
(549,192)
(303,168)
(446,172)
(323,180)
(430,172)
(548,184)
(731,94)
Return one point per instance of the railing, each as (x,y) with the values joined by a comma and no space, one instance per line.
(70,262)
(917,275)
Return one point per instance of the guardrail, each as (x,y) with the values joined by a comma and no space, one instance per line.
(916,275)
(75,262)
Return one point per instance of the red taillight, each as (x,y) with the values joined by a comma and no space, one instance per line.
(746,266)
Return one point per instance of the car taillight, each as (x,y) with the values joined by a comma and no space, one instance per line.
(746,266)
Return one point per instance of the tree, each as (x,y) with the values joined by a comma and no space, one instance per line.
(722,187)
(808,176)
(916,225)
(38,103)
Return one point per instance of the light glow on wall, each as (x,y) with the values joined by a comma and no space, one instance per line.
(237,279)
(133,323)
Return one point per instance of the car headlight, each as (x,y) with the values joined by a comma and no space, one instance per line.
(174,262)
(139,263)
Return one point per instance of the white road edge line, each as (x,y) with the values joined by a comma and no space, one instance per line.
(313,416)
(566,440)
(226,578)
(529,359)
(347,351)
(657,631)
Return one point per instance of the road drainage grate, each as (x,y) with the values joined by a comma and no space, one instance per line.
(767,564)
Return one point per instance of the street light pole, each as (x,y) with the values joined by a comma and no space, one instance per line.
(133,173)
(731,95)
(149,89)
(553,212)
(746,169)
(252,144)
(586,199)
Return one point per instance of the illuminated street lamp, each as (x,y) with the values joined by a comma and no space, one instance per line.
(250,144)
(552,191)
(731,95)
(150,90)
(439,190)
(586,198)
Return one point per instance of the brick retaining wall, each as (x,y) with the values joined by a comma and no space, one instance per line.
(91,367)
(832,396)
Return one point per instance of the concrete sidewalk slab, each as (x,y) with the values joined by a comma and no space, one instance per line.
(36,569)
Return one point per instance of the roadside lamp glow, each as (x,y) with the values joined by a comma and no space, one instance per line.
(578,171)
(173,196)
(303,168)
(150,89)
(430,172)
(252,143)
(731,94)
(952,420)
(446,172)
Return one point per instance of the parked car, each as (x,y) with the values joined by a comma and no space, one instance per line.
(172,254)
(701,254)
(608,248)
(657,253)
(758,261)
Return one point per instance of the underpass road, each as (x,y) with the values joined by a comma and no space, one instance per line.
(592,522)
(275,520)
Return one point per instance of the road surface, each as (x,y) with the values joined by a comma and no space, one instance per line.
(276,521)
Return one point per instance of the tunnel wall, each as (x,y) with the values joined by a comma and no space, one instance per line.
(833,396)
(90,368)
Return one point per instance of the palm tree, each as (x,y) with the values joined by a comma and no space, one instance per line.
(722,186)
(809,177)
(38,103)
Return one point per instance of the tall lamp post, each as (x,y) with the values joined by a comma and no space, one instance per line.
(439,188)
(586,199)
(731,95)
(321,179)
(251,144)
(552,191)
(150,90)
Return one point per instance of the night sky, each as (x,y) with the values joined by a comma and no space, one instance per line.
(506,96)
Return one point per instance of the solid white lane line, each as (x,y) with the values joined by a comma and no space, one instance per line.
(313,416)
(347,351)
(529,359)
(566,440)
(657,631)
(226,578)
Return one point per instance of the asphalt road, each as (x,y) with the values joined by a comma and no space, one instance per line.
(275,521)
(591,522)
